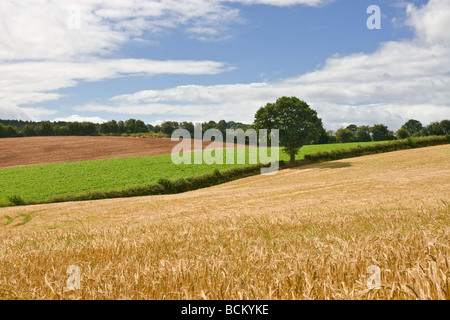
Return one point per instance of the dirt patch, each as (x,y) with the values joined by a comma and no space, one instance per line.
(43,150)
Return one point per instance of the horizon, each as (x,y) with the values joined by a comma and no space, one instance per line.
(200,123)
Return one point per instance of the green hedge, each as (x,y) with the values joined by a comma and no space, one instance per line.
(381,147)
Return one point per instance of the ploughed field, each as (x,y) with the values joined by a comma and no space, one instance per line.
(309,232)
(43,150)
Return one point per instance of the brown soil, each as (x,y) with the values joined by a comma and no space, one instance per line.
(42,150)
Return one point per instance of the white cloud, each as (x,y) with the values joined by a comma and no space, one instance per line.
(10,111)
(64,29)
(401,80)
(46,45)
(282,3)
(431,22)
(77,118)
(33,82)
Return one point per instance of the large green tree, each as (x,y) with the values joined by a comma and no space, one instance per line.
(135,126)
(169,127)
(45,128)
(413,127)
(380,132)
(189,126)
(2,131)
(363,134)
(297,123)
(29,130)
(402,133)
(109,127)
(445,126)
(352,128)
(345,135)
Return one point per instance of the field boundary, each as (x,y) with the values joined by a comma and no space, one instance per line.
(381,147)
(180,185)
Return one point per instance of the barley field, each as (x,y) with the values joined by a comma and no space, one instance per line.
(309,232)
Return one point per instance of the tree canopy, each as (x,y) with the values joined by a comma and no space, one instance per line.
(412,126)
(297,123)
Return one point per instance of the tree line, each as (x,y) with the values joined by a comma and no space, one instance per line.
(19,128)
(351,133)
(380,132)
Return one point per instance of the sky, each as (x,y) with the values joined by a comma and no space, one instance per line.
(202,60)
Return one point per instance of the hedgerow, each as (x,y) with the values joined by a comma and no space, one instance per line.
(381,147)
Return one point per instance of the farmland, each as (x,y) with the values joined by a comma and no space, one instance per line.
(44,150)
(306,233)
(39,182)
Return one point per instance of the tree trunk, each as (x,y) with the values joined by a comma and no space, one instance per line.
(292,161)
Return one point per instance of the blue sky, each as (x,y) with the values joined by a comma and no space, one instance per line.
(199,60)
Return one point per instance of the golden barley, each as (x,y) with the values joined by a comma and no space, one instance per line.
(306,233)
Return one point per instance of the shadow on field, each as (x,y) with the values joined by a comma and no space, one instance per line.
(323,165)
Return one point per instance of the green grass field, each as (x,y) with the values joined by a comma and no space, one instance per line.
(40,182)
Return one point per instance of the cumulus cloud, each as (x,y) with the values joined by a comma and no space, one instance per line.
(46,45)
(77,118)
(64,29)
(400,80)
(431,22)
(36,81)
(12,111)
(282,3)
